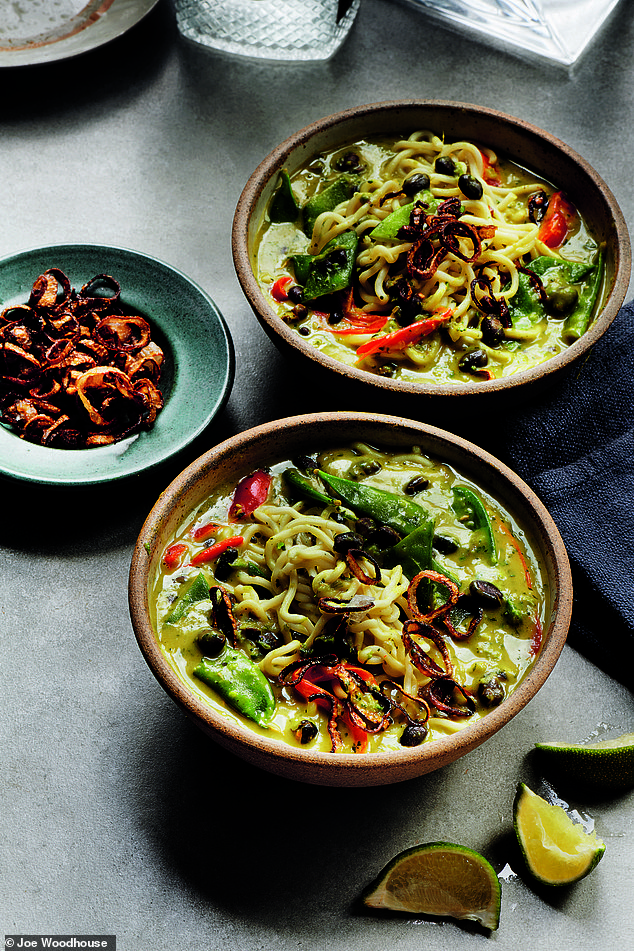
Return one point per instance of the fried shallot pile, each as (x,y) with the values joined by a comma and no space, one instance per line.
(75,370)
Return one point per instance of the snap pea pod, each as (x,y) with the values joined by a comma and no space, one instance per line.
(574,271)
(341,189)
(284,206)
(195,590)
(399,513)
(301,267)
(249,566)
(472,513)
(413,551)
(240,682)
(526,301)
(578,321)
(301,486)
(331,270)
(391,225)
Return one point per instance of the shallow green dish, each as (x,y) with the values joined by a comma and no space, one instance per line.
(197,373)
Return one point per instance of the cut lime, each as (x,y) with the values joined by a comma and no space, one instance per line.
(557,850)
(606,763)
(441,879)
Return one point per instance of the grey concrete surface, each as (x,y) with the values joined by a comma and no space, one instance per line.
(117,816)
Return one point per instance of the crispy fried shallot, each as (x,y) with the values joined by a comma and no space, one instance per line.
(441,688)
(352,695)
(435,236)
(347,692)
(76,370)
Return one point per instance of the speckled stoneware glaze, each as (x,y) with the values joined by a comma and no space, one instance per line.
(520,141)
(283,439)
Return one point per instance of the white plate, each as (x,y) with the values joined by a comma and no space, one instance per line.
(40,31)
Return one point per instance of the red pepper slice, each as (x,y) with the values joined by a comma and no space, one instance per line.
(515,544)
(536,640)
(355,320)
(559,219)
(173,556)
(249,494)
(405,337)
(490,172)
(358,735)
(203,532)
(280,288)
(372,325)
(311,691)
(209,554)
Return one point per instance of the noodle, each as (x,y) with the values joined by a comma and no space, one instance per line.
(496,234)
(291,574)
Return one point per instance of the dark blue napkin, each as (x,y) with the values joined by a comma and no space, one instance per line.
(575,448)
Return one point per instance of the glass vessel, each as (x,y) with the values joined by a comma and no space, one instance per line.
(290,30)
(558,30)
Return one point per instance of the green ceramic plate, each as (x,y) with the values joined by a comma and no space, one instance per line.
(197,372)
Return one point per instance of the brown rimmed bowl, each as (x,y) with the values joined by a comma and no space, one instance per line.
(282,439)
(513,138)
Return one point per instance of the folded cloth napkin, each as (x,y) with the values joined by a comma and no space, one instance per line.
(575,448)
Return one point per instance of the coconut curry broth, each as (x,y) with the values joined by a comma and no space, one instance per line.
(346,282)
(277,562)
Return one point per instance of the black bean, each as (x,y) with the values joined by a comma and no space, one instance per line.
(224,563)
(305,464)
(470,187)
(350,162)
(413,734)
(415,485)
(486,593)
(491,692)
(537,206)
(474,360)
(211,642)
(444,545)
(346,540)
(365,526)
(306,731)
(295,294)
(445,166)
(384,537)
(492,331)
(415,183)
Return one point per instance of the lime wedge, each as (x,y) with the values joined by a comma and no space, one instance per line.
(606,763)
(557,850)
(441,879)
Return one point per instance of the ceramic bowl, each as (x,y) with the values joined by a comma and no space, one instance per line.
(197,347)
(284,439)
(520,141)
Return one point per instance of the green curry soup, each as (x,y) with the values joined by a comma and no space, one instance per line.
(428,261)
(355,600)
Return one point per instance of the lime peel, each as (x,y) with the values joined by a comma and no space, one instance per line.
(440,879)
(557,851)
(605,763)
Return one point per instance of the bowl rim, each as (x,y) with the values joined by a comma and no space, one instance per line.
(225,730)
(279,330)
